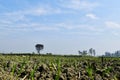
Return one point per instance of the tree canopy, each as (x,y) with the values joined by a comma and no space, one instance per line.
(39,47)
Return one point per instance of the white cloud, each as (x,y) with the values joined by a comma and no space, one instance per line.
(80,28)
(26,27)
(91,16)
(85,34)
(71,26)
(115,33)
(42,10)
(113,25)
(19,20)
(35,11)
(78,4)
(20,17)
(13,16)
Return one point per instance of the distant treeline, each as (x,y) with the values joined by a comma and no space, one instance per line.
(29,54)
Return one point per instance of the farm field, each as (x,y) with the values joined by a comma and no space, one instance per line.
(39,67)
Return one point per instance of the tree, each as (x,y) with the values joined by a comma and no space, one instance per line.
(91,51)
(84,53)
(80,53)
(94,52)
(39,47)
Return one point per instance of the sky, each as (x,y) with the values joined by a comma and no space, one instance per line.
(62,26)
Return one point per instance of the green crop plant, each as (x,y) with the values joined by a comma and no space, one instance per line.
(106,71)
(32,73)
(51,66)
(58,70)
(102,61)
(90,72)
(115,78)
(21,68)
(75,64)
(13,69)
(54,66)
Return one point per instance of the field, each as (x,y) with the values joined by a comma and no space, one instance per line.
(45,67)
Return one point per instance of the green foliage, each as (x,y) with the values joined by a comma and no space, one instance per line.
(90,71)
(32,73)
(13,69)
(21,68)
(58,69)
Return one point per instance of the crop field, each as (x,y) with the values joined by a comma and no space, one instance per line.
(39,67)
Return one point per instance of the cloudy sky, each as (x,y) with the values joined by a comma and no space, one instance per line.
(63,26)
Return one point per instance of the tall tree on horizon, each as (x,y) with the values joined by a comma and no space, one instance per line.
(94,52)
(91,51)
(39,47)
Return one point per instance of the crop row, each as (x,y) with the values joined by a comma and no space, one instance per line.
(58,68)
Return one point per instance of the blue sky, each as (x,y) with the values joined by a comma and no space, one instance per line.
(63,26)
